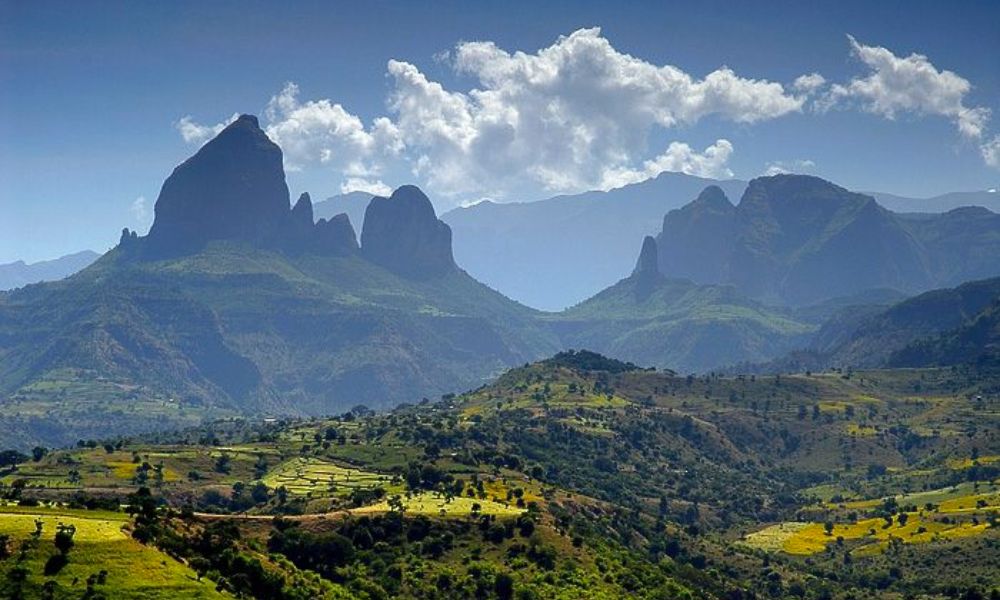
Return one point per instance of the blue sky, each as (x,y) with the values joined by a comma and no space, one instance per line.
(95,99)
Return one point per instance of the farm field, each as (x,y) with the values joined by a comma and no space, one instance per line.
(964,510)
(314,477)
(433,503)
(132,570)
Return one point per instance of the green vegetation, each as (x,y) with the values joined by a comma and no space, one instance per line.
(578,475)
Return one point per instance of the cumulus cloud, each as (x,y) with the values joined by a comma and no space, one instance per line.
(573,116)
(195,133)
(679,157)
(810,83)
(798,165)
(910,84)
(324,132)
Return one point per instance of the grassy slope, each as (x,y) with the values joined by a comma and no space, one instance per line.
(133,570)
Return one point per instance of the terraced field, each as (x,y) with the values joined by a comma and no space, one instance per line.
(433,503)
(314,477)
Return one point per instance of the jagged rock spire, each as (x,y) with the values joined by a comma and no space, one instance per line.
(647,271)
(648,261)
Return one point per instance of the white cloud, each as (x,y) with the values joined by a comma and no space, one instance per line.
(570,117)
(808,84)
(908,85)
(779,167)
(359,184)
(194,133)
(562,117)
(679,157)
(140,212)
(324,132)
(991,152)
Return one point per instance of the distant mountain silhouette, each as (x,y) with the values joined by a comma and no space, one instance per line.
(18,274)
(554,253)
(941,203)
(579,244)
(798,240)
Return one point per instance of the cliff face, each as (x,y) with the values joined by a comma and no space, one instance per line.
(402,234)
(233,188)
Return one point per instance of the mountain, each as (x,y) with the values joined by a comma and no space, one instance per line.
(989,199)
(553,253)
(976,341)
(237,302)
(940,327)
(352,204)
(675,323)
(800,240)
(19,274)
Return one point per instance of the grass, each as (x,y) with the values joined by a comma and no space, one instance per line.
(133,570)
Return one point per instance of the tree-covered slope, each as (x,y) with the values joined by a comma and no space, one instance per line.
(677,324)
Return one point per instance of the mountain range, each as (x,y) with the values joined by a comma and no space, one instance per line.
(19,274)
(798,240)
(491,239)
(238,301)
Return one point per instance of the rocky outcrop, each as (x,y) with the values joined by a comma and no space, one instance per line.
(402,234)
(334,237)
(233,188)
(647,271)
(695,240)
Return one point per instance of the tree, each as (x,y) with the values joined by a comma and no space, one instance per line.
(11,458)
(902,518)
(503,585)
(142,506)
(828,527)
(222,464)
(64,538)
(38,453)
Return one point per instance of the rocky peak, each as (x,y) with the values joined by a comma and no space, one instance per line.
(647,270)
(713,197)
(232,188)
(334,237)
(648,261)
(302,212)
(402,234)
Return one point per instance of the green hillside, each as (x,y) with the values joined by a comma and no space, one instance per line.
(574,476)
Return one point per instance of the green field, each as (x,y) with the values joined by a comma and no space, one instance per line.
(133,570)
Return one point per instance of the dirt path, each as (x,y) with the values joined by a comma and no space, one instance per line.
(244,517)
